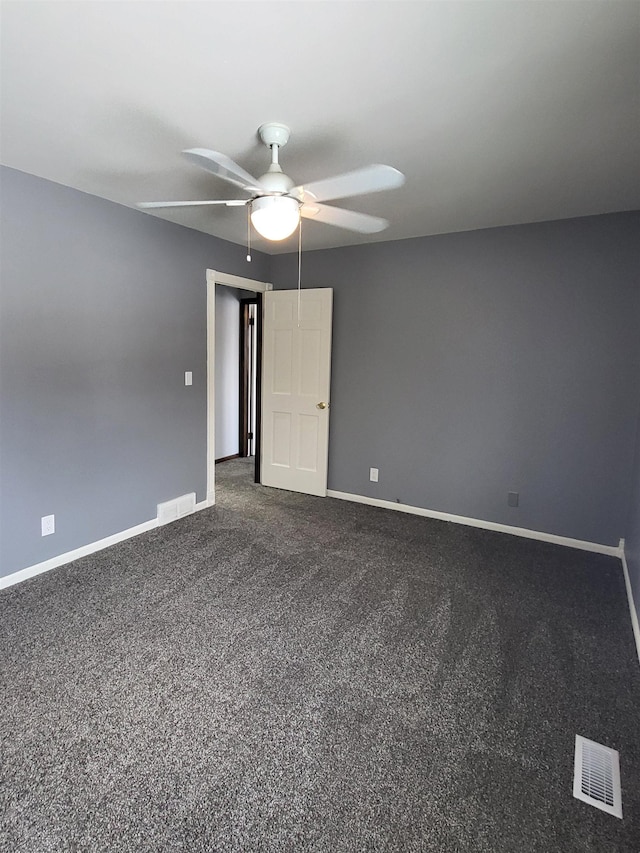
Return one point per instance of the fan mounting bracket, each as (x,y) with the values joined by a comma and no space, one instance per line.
(274,133)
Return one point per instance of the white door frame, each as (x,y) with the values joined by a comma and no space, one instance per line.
(214,277)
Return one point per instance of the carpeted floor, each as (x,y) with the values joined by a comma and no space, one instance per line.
(288,673)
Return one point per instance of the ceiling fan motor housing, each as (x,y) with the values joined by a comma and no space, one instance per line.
(275,181)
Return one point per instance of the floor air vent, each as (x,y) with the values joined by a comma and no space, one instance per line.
(178,508)
(596,777)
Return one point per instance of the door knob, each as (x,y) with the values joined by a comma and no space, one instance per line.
(322,406)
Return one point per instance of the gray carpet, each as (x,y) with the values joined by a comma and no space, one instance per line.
(287,673)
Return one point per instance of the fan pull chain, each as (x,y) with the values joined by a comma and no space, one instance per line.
(249,232)
(299,264)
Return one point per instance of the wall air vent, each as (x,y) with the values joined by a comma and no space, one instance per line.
(177,508)
(596,777)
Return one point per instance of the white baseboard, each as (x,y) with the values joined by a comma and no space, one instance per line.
(92,547)
(610,550)
(632,605)
(84,551)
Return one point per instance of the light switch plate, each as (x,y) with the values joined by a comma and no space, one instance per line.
(188,377)
(48,524)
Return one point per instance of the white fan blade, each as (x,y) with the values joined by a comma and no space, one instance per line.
(348,219)
(369,179)
(230,203)
(224,167)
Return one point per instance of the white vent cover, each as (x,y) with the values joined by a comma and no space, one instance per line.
(177,508)
(596,777)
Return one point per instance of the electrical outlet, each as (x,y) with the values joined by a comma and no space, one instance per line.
(373,475)
(48,524)
(513,498)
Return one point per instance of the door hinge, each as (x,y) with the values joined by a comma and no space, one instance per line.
(250,436)
(251,321)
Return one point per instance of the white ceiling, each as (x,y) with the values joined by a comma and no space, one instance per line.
(497,112)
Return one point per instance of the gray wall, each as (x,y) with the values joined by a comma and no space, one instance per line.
(632,539)
(469,365)
(103,309)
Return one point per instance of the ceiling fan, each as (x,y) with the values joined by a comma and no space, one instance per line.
(276,204)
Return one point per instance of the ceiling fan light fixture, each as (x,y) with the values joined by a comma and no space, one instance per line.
(275,217)
(276,204)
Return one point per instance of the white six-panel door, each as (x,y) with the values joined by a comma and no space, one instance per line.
(296,372)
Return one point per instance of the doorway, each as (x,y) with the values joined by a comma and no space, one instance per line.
(303,449)
(250,396)
(237,378)
(253,290)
